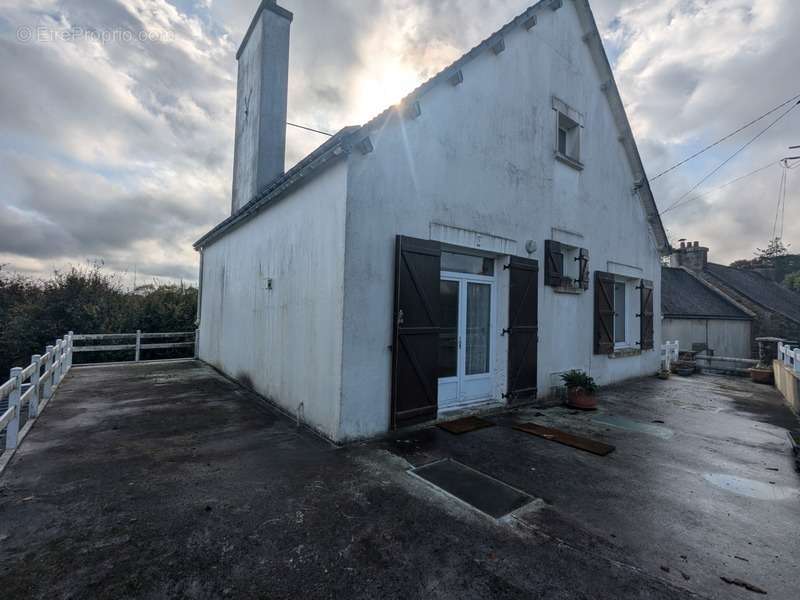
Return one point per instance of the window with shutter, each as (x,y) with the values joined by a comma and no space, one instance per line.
(554,263)
(566,267)
(646,315)
(583,269)
(604,313)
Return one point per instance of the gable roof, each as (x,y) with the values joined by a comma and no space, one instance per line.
(684,296)
(594,42)
(758,289)
(332,149)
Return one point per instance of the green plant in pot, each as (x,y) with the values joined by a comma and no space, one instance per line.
(580,390)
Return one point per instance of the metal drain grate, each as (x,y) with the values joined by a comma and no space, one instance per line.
(480,491)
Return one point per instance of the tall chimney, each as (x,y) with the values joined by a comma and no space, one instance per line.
(261,96)
(692,256)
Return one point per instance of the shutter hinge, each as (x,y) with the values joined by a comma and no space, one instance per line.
(505,331)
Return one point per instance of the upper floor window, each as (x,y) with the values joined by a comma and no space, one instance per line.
(569,127)
(569,138)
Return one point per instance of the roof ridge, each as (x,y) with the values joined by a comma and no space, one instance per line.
(453,66)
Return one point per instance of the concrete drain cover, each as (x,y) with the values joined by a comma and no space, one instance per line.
(480,491)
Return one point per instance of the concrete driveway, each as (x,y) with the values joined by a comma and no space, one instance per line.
(168,481)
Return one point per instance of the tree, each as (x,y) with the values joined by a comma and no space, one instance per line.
(775,249)
(792,281)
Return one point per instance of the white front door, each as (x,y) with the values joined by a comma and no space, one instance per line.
(466,345)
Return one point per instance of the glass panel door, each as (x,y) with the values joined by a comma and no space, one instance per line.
(448,338)
(465,339)
(479,303)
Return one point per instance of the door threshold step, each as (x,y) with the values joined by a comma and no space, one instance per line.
(465,425)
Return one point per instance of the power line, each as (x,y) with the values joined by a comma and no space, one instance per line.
(781,199)
(309,129)
(709,192)
(727,137)
(731,157)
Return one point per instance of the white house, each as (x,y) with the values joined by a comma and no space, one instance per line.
(493,229)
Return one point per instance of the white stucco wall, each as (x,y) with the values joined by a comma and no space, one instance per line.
(285,343)
(724,337)
(480,158)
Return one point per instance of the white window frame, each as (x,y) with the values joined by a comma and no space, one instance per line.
(572,122)
(630,313)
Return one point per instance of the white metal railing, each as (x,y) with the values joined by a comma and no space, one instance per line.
(669,354)
(137,338)
(33,386)
(790,357)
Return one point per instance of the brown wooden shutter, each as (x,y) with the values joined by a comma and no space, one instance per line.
(646,315)
(583,270)
(603,313)
(415,348)
(553,263)
(523,329)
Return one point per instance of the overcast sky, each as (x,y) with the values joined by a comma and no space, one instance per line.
(116,116)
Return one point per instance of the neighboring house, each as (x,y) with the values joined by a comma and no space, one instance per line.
(776,309)
(701,317)
(459,251)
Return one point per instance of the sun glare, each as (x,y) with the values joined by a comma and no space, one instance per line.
(376,91)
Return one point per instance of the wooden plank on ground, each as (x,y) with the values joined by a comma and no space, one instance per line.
(568,439)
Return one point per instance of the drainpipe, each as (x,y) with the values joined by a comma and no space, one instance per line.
(199,308)
(199,291)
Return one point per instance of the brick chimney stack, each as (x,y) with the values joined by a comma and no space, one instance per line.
(690,255)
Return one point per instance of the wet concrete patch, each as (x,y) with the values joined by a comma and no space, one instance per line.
(665,433)
(488,495)
(750,488)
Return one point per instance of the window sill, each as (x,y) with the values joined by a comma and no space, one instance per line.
(570,162)
(568,290)
(625,353)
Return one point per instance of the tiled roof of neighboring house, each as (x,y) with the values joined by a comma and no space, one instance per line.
(759,289)
(591,38)
(685,296)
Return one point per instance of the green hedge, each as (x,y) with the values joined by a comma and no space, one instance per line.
(35,312)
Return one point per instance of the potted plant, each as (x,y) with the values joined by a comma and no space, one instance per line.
(580,390)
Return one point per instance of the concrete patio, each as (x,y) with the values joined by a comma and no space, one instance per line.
(166,480)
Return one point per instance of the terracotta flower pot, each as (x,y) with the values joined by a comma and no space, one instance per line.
(579,398)
(761,375)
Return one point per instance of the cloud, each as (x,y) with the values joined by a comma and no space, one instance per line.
(122,150)
(690,72)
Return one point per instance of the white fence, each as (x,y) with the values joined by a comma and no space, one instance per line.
(790,357)
(669,354)
(32,387)
(137,340)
